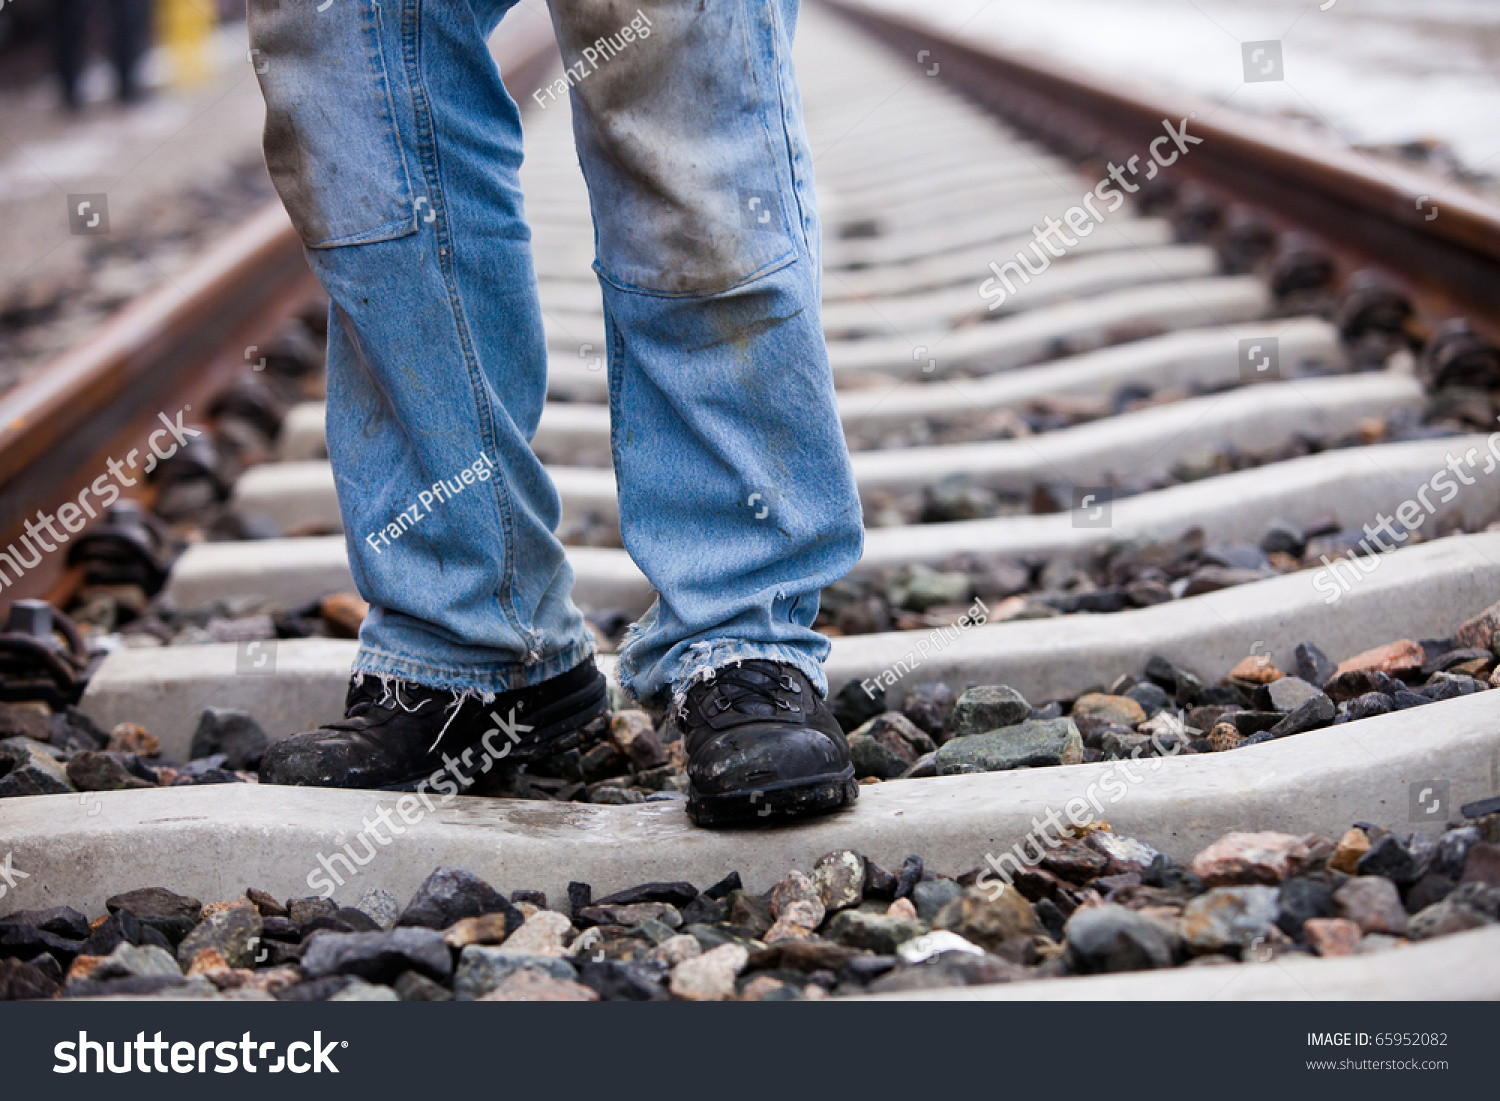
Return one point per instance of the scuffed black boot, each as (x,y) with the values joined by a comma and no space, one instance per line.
(395,738)
(762,747)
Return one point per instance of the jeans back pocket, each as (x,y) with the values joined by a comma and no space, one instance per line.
(332,145)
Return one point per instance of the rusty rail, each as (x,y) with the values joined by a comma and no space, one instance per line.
(175,346)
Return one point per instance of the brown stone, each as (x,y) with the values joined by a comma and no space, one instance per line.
(1125,854)
(1349,685)
(82,967)
(762,988)
(1075,862)
(1394,658)
(807,954)
(1479,668)
(1256,669)
(484,929)
(709,977)
(1482,864)
(631,914)
(1121,710)
(1167,915)
(1242,858)
(20,981)
(1036,883)
(634,735)
(343,612)
(133,738)
(224,904)
(207,962)
(267,905)
(1232,918)
(1353,845)
(527,985)
(795,903)
(91,771)
(1331,936)
(749,911)
(24,720)
(975,917)
(544,933)
(787,928)
(1047,949)
(674,950)
(903,909)
(1320,850)
(840,876)
(1224,736)
(1479,631)
(1373,903)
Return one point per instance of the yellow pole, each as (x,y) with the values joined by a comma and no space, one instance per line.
(186,30)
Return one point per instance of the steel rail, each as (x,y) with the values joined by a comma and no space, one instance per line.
(174,346)
(1369,211)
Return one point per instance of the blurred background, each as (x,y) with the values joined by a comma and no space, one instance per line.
(150,107)
(1419,79)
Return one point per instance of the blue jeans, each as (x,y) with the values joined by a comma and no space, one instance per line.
(395,148)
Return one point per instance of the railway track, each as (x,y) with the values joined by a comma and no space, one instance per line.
(1158,444)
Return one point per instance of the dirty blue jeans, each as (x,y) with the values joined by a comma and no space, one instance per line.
(395,149)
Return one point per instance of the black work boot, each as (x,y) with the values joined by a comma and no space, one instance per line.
(394,738)
(762,746)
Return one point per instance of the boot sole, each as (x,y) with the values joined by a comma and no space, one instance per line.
(556,728)
(774,804)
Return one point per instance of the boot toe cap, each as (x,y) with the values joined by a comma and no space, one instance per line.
(311,760)
(751,757)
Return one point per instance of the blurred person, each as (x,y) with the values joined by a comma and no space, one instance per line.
(396,148)
(129,38)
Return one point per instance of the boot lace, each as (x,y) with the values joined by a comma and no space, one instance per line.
(750,688)
(370,693)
